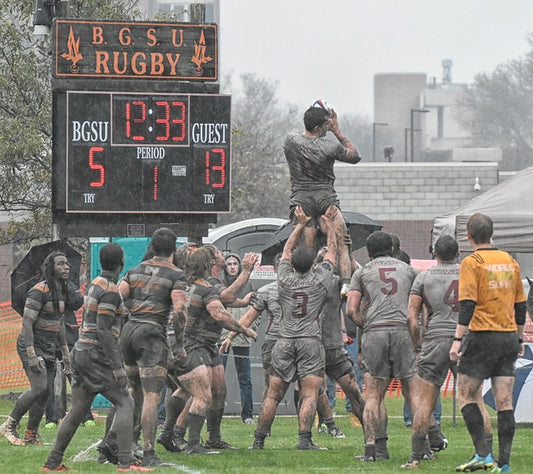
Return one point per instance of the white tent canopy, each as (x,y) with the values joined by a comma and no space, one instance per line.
(509,205)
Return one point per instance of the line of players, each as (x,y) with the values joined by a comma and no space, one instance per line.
(302,345)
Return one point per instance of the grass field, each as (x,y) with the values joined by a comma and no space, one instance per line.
(279,455)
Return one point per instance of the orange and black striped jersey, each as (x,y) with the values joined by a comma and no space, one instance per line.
(491,278)
(151,284)
(39,307)
(102,300)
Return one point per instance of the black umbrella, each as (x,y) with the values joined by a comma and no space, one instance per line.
(28,271)
(359,226)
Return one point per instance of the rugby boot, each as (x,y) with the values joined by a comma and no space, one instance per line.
(150,459)
(504,468)
(258,444)
(308,445)
(108,452)
(336,432)
(197,448)
(166,439)
(411,464)
(32,437)
(370,454)
(61,467)
(437,440)
(8,430)
(477,463)
(218,444)
(134,467)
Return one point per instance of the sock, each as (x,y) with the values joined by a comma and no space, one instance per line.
(329,423)
(506,427)
(417,443)
(213,421)
(489,439)
(180,431)
(174,407)
(195,424)
(474,423)
(382,451)
(304,435)
(434,435)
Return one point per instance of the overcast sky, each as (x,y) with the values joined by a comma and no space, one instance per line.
(331,49)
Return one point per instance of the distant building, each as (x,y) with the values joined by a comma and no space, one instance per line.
(418,118)
(181,9)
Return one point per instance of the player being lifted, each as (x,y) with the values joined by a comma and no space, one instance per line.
(311,156)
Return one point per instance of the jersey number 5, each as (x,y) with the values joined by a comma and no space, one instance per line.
(388,280)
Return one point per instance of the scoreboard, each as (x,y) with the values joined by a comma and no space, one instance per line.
(141,136)
(144,152)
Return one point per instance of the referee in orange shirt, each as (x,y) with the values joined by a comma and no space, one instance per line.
(493,309)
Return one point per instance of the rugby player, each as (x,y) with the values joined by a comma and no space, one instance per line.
(311,156)
(383,286)
(97,365)
(299,353)
(437,290)
(339,366)
(153,287)
(42,327)
(201,373)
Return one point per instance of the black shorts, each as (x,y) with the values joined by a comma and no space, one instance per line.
(197,356)
(44,347)
(144,344)
(92,371)
(487,354)
(338,363)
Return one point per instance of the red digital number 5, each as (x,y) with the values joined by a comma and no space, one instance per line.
(96,167)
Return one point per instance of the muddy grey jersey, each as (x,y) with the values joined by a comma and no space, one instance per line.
(384,283)
(311,161)
(439,288)
(331,319)
(267,300)
(301,297)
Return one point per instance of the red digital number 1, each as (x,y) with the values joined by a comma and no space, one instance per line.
(136,120)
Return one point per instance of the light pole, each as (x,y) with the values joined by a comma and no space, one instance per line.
(413,111)
(406,141)
(374,125)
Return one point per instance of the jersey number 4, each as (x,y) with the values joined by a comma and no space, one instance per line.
(451,297)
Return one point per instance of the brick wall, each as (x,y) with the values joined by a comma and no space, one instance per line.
(406,197)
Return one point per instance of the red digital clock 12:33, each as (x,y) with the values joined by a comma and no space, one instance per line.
(138,152)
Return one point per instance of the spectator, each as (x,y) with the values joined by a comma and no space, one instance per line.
(240,343)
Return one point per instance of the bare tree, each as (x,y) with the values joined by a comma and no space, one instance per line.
(26,115)
(498,110)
